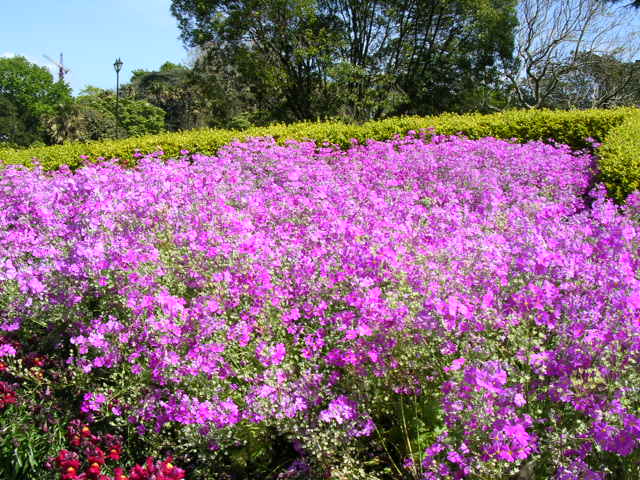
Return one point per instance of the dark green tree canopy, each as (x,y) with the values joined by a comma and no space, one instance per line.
(137,117)
(14,130)
(31,87)
(173,89)
(28,93)
(305,59)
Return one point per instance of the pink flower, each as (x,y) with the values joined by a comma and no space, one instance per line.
(455,365)
(340,409)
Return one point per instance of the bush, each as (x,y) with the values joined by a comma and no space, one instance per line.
(568,127)
(619,162)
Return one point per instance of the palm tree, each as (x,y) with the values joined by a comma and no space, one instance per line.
(67,124)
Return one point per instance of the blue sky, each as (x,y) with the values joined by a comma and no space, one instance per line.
(92,34)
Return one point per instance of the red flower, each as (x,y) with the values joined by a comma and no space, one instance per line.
(69,474)
(139,473)
(67,459)
(94,469)
(7,395)
(85,431)
(170,471)
(118,474)
(8,398)
(160,471)
(97,457)
(114,453)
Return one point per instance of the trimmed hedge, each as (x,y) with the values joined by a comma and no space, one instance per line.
(619,161)
(569,127)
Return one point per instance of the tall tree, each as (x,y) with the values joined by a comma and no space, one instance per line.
(598,81)
(306,59)
(448,50)
(13,125)
(553,38)
(33,91)
(67,124)
(283,47)
(173,89)
(136,117)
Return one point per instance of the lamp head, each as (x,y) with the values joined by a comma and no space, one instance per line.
(117,65)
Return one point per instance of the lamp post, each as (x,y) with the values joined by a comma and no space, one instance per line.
(117,65)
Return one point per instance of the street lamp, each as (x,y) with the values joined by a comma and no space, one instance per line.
(117,65)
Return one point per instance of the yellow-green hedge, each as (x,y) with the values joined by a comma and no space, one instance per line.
(619,158)
(569,127)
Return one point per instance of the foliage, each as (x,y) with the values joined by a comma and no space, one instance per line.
(14,129)
(230,99)
(444,75)
(31,87)
(428,307)
(36,429)
(33,92)
(69,123)
(571,128)
(136,117)
(280,48)
(172,89)
(308,59)
(620,159)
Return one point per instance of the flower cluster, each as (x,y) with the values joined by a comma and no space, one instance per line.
(92,451)
(7,395)
(164,470)
(300,287)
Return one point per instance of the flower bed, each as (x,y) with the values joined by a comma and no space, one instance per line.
(425,309)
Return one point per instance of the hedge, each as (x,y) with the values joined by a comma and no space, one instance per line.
(619,158)
(569,127)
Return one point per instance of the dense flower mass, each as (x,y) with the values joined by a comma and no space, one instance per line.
(305,287)
(90,452)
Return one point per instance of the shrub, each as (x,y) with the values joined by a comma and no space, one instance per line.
(619,162)
(567,127)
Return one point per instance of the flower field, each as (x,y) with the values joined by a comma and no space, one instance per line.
(428,307)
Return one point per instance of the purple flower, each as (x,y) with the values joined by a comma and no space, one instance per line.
(341,409)
(92,402)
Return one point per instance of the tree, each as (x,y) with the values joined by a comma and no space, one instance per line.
(67,124)
(308,59)
(227,99)
(447,51)
(282,48)
(171,88)
(553,40)
(33,92)
(632,3)
(13,127)
(137,117)
(598,81)
(430,55)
